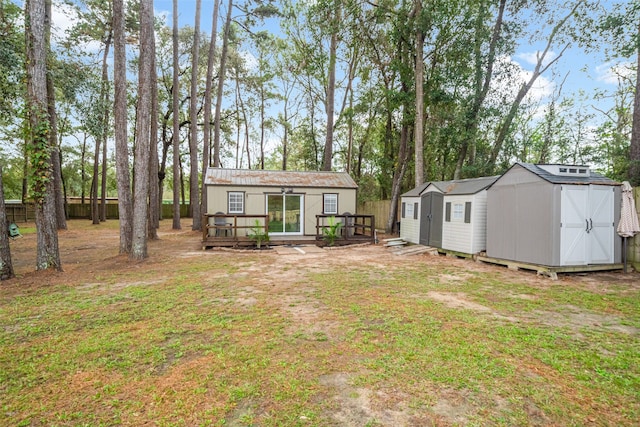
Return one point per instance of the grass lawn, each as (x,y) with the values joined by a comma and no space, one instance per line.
(345,337)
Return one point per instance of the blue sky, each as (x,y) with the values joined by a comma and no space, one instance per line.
(585,72)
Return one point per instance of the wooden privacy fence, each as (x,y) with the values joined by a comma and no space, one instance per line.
(380,209)
(21,212)
(77,210)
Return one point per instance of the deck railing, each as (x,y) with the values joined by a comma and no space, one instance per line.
(232,230)
(221,230)
(356,227)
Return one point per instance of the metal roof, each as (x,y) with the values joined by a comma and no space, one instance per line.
(455,187)
(272,178)
(593,178)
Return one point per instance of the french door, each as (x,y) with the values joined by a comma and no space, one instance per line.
(285,213)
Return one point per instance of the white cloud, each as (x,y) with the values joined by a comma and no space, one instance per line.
(514,75)
(611,73)
(250,61)
(531,58)
(63,18)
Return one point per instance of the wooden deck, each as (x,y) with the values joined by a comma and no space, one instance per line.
(549,271)
(235,231)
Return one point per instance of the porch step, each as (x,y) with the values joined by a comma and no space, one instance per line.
(398,241)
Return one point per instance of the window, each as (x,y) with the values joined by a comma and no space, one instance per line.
(409,210)
(458,212)
(330,204)
(236,202)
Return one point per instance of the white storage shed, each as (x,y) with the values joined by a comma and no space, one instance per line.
(449,215)
(464,228)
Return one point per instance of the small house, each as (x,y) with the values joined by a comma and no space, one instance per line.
(553,215)
(450,215)
(287,202)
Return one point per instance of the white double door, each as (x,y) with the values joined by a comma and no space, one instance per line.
(587,230)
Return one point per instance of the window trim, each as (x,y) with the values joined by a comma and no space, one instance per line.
(467,213)
(235,193)
(324,204)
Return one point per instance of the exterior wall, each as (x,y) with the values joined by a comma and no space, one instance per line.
(410,227)
(456,234)
(479,222)
(256,201)
(521,209)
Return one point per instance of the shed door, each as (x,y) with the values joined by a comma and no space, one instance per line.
(574,225)
(431,219)
(587,235)
(601,224)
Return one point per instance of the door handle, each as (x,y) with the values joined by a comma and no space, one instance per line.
(590,224)
(587,229)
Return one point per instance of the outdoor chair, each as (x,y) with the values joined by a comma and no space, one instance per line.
(220,224)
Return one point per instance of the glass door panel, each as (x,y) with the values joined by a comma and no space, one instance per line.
(285,213)
(275,209)
(292,212)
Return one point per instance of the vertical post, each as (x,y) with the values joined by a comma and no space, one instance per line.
(633,253)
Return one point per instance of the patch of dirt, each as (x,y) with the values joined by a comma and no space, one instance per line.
(358,406)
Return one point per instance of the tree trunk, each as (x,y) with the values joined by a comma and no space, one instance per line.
(481,84)
(539,69)
(105,127)
(6,266)
(207,106)
(262,120)
(221,74)
(105,138)
(194,199)
(331,92)
(125,208)
(634,149)
(143,133)
(398,176)
(83,172)
(48,254)
(155,198)
(61,218)
(285,138)
(176,121)
(419,122)
(104,88)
